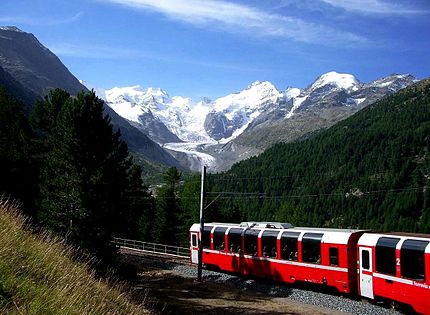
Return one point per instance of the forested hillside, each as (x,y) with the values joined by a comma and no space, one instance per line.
(70,170)
(371,170)
(74,175)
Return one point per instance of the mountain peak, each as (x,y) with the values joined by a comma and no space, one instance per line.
(344,81)
(394,81)
(139,90)
(155,91)
(291,92)
(398,75)
(258,83)
(11,28)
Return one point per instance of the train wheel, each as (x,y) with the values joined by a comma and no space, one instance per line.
(394,305)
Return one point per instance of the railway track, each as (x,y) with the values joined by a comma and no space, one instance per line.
(170,287)
(166,258)
(171,279)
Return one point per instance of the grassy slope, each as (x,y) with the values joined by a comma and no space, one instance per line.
(38,276)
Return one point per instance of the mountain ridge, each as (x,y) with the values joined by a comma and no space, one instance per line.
(253,119)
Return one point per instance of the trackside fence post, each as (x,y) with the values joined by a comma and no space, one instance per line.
(163,249)
(202,223)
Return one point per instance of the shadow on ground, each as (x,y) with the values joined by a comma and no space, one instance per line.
(167,292)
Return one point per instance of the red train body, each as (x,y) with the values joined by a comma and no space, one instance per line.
(396,267)
(386,266)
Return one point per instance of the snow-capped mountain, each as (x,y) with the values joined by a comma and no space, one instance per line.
(164,118)
(329,99)
(334,80)
(334,89)
(393,82)
(325,85)
(231,114)
(190,121)
(252,119)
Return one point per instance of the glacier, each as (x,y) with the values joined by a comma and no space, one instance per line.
(197,125)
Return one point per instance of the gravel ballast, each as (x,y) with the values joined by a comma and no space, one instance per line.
(277,291)
(334,302)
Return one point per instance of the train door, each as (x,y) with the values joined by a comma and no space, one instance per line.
(366,274)
(194,247)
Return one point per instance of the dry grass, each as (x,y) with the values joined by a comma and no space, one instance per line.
(38,275)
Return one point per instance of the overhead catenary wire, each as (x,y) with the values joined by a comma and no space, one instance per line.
(231,178)
(263,196)
(234,178)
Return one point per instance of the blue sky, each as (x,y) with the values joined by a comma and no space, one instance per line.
(211,48)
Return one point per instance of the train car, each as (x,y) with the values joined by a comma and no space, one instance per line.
(396,267)
(281,252)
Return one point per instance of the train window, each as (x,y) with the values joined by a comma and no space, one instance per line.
(194,240)
(219,238)
(385,255)
(412,259)
(235,240)
(268,243)
(365,259)
(334,256)
(289,245)
(206,238)
(311,247)
(251,242)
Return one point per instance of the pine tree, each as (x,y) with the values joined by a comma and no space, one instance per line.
(45,113)
(139,203)
(85,174)
(167,209)
(190,207)
(16,168)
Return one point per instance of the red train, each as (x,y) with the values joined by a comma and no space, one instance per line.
(392,266)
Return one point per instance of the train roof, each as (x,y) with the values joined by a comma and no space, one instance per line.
(262,226)
(313,229)
(334,236)
(371,239)
(417,235)
(273,226)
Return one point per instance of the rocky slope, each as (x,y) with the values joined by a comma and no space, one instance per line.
(331,98)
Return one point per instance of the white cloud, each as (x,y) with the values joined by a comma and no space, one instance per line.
(48,21)
(92,51)
(374,7)
(239,18)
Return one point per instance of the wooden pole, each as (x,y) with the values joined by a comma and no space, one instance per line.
(202,223)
